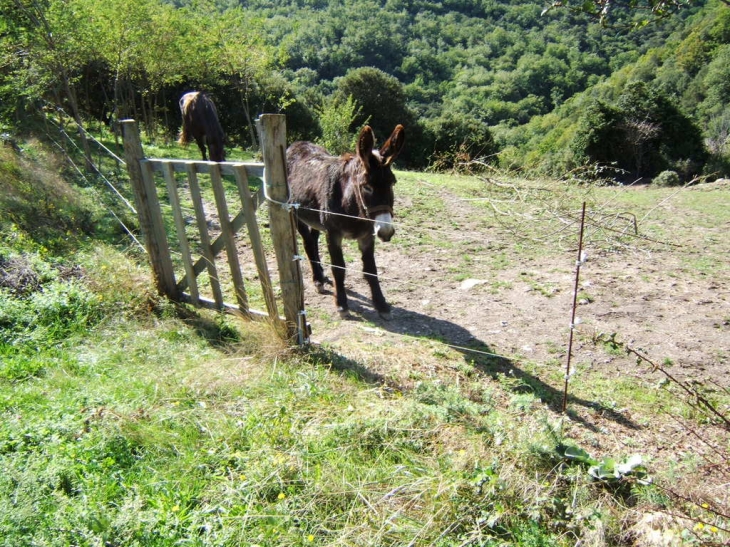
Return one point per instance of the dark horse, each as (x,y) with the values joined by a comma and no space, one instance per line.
(200,122)
(350,196)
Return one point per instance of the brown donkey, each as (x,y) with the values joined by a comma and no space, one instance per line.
(351,197)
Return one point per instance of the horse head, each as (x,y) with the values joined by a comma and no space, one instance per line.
(375,187)
(216,149)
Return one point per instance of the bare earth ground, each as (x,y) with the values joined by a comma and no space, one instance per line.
(640,294)
(518,305)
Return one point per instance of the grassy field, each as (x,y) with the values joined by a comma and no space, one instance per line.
(128,420)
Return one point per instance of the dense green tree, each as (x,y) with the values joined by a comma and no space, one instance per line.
(717,83)
(46,45)
(120,32)
(634,13)
(644,133)
(245,60)
(381,98)
(598,137)
(458,139)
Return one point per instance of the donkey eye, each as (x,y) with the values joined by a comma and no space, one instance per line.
(367,189)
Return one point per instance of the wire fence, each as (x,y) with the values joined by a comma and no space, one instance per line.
(105,169)
(529,211)
(542,222)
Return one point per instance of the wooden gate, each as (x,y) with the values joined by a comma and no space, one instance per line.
(198,251)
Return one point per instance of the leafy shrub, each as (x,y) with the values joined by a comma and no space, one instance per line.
(667,178)
(336,117)
(15,366)
(49,315)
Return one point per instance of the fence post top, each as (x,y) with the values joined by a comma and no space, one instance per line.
(271,116)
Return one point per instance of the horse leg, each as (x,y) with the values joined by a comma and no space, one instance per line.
(367,249)
(334,245)
(201,145)
(310,237)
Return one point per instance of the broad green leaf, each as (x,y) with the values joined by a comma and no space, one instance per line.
(578,454)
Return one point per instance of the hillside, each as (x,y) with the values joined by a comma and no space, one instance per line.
(474,82)
(127,419)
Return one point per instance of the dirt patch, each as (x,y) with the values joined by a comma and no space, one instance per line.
(19,276)
(646,294)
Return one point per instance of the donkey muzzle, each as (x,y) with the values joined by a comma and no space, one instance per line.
(384,228)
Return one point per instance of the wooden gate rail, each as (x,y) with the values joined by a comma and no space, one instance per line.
(142,174)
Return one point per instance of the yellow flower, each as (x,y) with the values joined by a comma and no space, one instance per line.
(175,508)
(705,506)
(699,526)
(281,495)
(713,529)
(310,538)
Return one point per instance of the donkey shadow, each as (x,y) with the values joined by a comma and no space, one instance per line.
(479,355)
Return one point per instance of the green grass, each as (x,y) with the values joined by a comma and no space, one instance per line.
(128,420)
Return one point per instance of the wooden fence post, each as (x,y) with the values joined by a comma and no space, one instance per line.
(148,211)
(272,135)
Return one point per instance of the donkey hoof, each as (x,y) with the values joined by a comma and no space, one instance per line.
(343,312)
(385,315)
(320,287)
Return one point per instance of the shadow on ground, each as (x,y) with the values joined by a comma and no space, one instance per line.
(475,352)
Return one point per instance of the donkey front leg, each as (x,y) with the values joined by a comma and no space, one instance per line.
(334,245)
(367,248)
(310,237)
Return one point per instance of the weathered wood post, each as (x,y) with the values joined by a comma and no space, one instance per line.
(272,135)
(149,213)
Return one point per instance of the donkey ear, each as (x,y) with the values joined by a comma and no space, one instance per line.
(365,144)
(393,146)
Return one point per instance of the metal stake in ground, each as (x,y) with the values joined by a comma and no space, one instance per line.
(575,302)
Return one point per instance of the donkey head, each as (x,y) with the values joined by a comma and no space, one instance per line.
(376,186)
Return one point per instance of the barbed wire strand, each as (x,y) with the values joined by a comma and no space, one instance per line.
(81,173)
(129,232)
(573,222)
(96,169)
(88,135)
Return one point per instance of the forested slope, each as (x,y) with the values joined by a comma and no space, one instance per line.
(507,83)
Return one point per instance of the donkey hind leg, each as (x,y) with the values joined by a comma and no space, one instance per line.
(370,270)
(310,237)
(334,245)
